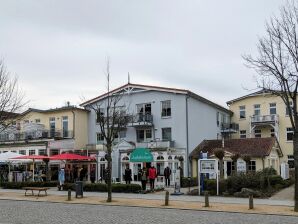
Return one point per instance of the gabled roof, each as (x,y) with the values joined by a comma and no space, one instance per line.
(257,93)
(155,88)
(53,109)
(254,147)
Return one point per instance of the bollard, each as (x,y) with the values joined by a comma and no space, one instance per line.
(251,201)
(206,193)
(167,198)
(69,195)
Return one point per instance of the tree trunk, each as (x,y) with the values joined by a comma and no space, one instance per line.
(109,174)
(295,148)
(221,170)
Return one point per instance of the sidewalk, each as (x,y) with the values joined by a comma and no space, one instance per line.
(262,206)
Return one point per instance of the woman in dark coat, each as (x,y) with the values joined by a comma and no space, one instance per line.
(127,175)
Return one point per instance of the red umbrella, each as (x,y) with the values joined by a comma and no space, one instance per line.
(70,156)
(33,157)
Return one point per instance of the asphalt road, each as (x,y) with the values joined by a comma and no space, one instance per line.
(52,213)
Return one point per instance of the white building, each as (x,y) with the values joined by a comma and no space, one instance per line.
(170,122)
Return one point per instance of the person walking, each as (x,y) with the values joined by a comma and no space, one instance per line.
(127,175)
(167,173)
(144,178)
(152,175)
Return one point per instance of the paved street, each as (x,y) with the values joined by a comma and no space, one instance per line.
(42,212)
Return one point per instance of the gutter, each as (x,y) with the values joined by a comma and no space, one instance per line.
(187,142)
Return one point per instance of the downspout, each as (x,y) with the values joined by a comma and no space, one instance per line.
(187,142)
(73,123)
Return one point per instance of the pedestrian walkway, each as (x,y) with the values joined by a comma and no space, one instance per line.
(161,196)
(284,194)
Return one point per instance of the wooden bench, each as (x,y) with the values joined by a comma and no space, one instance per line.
(39,189)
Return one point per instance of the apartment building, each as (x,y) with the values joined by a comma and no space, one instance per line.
(169,122)
(52,131)
(262,115)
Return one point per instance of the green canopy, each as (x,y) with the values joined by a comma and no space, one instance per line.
(141,155)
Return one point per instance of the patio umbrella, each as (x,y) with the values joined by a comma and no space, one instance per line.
(70,156)
(33,157)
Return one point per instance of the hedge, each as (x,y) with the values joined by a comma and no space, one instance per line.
(185,182)
(20,185)
(99,187)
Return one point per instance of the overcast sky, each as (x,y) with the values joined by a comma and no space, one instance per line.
(58,49)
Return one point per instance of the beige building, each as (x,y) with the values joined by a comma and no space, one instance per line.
(261,115)
(47,131)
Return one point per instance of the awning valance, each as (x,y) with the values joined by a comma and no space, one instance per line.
(141,155)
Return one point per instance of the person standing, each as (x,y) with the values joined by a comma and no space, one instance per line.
(152,175)
(61,177)
(167,173)
(144,178)
(127,175)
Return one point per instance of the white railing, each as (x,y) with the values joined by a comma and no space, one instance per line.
(155,144)
(264,118)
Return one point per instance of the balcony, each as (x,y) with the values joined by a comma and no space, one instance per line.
(264,119)
(140,120)
(229,128)
(156,144)
(12,136)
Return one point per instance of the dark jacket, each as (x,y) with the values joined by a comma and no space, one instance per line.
(127,174)
(167,172)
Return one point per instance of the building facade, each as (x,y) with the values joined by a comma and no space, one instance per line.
(261,115)
(170,122)
(47,132)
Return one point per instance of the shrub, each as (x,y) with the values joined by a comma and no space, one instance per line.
(210,185)
(100,187)
(185,181)
(20,185)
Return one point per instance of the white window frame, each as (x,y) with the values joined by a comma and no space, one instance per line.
(243,134)
(163,106)
(289,130)
(242,109)
(259,132)
(250,165)
(163,136)
(287,110)
(257,108)
(272,106)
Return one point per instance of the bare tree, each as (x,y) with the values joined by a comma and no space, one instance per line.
(112,117)
(11,98)
(220,154)
(277,67)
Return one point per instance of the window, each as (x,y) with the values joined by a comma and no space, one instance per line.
(217,119)
(37,121)
(287,109)
(144,135)
(41,152)
(65,127)
(272,132)
(54,152)
(242,133)
(290,134)
(257,109)
(166,108)
(258,133)
(100,114)
(122,134)
(252,165)
(99,138)
(32,152)
(23,152)
(52,127)
(272,109)
(242,112)
(166,134)
(291,161)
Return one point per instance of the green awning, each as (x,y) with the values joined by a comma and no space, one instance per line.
(141,155)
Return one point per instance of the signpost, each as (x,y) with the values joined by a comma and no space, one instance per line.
(208,166)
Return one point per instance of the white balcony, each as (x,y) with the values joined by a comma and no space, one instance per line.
(155,144)
(264,119)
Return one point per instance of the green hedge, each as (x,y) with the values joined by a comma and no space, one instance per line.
(210,185)
(185,182)
(99,187)
(20,185)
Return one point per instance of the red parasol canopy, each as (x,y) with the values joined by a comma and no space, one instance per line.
(31,157)
(70,156)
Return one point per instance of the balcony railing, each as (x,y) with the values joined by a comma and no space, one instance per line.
(229,127)
(35,135)
(273,118)
(155,144)
(140,120)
